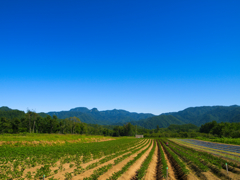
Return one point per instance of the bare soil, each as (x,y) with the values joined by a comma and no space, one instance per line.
(120,165)
(90,171)
(136,166)
(171,170)
(210,176)
(152,171)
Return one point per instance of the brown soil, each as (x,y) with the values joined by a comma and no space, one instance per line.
(120,165)
(66,166)
(191,176)
(69,170)
(136,166)
(210,176)
(152,171)
(230,174)
(171,169)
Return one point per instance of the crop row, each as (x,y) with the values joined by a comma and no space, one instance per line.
(162,164)
(217,146)
(122,154)
(98,172)
(14,160)
(179,166)
(116,175)
(142,171)
(206,161)
(207,157)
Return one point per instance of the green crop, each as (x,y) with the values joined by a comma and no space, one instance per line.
(116,175)
(175,157)
(142,171)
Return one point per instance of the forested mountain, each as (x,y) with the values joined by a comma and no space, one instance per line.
(11,113)
(204,114)
(193,115)
(108,117)
(163,121)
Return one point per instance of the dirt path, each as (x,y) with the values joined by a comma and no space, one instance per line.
(152,171)
(136,166)
(230,174)
(171,169)
(210,176)
(61,175)
(119,166)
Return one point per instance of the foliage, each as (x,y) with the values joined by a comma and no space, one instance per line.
(177,160)
(93,116)
(142,171)
(163,160)
(221,129)
(116,175)
(25,157)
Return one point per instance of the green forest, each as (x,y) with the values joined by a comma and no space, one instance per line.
(165,125)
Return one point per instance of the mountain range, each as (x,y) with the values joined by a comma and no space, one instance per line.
(193,115)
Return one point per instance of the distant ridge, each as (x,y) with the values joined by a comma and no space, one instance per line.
(194,115)
(107,117)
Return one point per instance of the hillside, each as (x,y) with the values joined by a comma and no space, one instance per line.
(107,117)
(193,115)
(204,114)
(163,121)
(11,113)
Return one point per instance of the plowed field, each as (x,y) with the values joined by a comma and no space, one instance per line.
(128,158)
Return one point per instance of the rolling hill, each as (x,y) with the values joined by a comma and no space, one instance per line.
(93,116)
(193,115)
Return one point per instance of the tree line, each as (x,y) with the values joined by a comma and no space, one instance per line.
(223,129)
(32,122)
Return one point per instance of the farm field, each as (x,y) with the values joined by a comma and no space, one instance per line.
(224,150)
(121,158)
(48,139)
(235,141)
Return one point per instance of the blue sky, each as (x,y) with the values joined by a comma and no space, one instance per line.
(141,56)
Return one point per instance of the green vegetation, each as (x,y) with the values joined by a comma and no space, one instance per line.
(142,171)
(207,157)
(189,157)
(14,121)
(163,121)
(21,158)
(176,159)
(116,175)
(204,114)
(221,129)
(93,116)
(23,137)
(235,141)
(163,160)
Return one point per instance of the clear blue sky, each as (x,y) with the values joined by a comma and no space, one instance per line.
(142,56)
